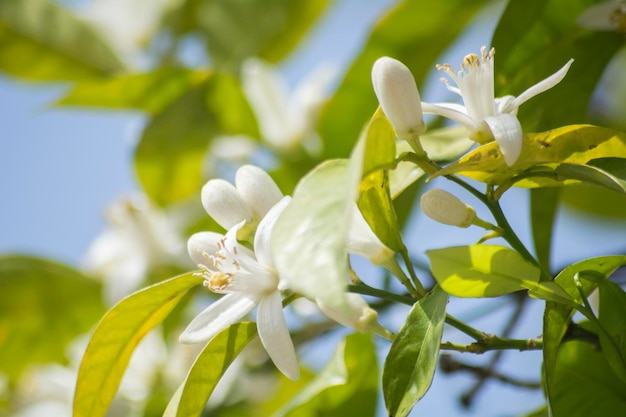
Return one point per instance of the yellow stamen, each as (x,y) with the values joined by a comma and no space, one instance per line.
(218,281)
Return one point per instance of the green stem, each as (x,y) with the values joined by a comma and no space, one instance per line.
(362,288)
(392,266)
(494,343)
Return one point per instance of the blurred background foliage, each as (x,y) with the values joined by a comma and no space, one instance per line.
(189,67)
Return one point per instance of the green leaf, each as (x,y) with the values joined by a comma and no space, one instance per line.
(40,40)
(543,206)
(534,38)
(412,33)
(308,240)
(269,29)
(592,175)
(482,270)
(584,384)
(170,156)
(348,384)
(557,316)
(150,92)
(44,305)
(378,153)
(598,201)
(210,366)
(576,144)
(412,359)
(116,337)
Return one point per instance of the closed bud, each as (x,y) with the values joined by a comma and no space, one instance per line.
(398,96)
(357,314)
(258,189)
(446,208)
(224,204)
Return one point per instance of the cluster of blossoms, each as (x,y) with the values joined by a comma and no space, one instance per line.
(248,277)
(485,117)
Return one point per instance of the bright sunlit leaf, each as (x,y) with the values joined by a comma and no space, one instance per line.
(41,40)
(308,241)
(412,359)
(38,294)
(209,367)
(116,337)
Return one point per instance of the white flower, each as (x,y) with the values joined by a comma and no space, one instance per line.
(485,116)
(446,208)
(608,15)
(357,315)
(139,237)
(248,279)
(286,120)
(399,97)
(253,195)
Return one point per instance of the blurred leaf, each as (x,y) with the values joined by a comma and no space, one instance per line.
(116,337)
(557,316)
(544,203)
(170,156)
(238,29)
(44,305)
(534,38)
(209,367)
(595,200)
(348,384)
(412,359)
(412,33)
(482,270)
(150,92)
(593,175)
(41,40)
(584,384)
(308,240)
(378,153)
(577,144)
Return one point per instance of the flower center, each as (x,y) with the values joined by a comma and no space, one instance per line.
(218,281)
(618,18)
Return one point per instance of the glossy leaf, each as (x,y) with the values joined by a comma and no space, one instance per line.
(379,152)
(150,92)
(116,337)
(348,384)
(584,384)
(577,144)
(544,203)
(593,175)
(44,305)
(169,158)
(41,40)
(308,240)
(533,39)
(269,29)
(557,316)
(481,270)
(412,359)
(210,366)
(412,33)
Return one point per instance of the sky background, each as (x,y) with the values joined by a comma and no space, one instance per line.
(60,168)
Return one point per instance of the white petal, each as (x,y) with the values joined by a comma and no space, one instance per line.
(361,240)
(452,111)
(222,313)
(507,131)
(258,189)
(539,88)
(275,336)
(398,96)
(356,309)
(262,248)
(224,204)
(201,243)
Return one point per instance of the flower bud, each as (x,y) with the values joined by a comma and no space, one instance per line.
(446,208)
(224,203)
(361,240)
(398,96)
(258,189)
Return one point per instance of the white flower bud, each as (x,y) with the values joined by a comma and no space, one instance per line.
(203,243)
(224,203)
(398,96)
(446,208)
(258,189)
(358,314)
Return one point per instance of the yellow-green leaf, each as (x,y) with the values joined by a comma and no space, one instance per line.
(40,40)
(116,337)
(542,152)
